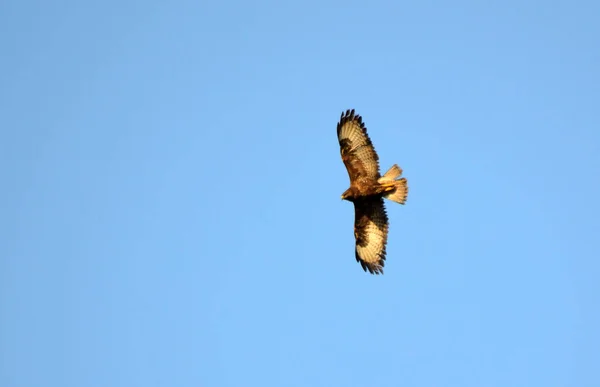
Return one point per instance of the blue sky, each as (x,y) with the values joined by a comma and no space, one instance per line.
(171,210)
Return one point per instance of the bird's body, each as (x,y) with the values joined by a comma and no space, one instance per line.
(367,191)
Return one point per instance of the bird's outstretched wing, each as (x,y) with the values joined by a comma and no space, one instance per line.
(371,232)
(358,153)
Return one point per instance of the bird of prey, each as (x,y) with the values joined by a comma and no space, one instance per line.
(367,191)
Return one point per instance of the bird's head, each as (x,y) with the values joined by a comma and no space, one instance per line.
(347,195)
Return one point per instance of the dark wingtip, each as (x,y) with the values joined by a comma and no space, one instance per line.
(373,268)
(350,115)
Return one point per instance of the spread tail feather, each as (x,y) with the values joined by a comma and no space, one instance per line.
(400,187)
(399,194)
(392,174)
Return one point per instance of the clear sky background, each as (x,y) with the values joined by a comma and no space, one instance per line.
(171,181)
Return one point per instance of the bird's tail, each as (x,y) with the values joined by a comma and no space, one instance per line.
(396,190)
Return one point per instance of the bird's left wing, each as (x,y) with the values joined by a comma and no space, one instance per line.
(356,148)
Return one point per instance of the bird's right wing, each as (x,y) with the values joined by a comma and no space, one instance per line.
(371,232)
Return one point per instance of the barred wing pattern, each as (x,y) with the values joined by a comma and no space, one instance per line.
(356,148)
(371,232)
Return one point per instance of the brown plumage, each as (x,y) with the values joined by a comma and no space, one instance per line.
(367,190)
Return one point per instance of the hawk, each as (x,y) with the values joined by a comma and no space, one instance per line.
(367,190)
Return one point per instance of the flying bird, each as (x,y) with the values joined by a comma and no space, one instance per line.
(367,191)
